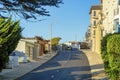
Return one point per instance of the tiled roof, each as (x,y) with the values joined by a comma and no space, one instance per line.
(95,7)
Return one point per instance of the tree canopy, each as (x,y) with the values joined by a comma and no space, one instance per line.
(27,8)
(55,41)
(10,33)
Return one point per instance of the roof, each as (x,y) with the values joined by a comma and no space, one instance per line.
(101,1)
(95,7)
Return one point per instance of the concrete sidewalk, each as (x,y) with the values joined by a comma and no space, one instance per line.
(96,65)
(23,68)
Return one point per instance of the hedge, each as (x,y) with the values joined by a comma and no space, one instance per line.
(110,51)
(113,50)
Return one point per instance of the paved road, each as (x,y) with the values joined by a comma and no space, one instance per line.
(67,65)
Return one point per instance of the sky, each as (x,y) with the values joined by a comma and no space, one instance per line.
(70,21)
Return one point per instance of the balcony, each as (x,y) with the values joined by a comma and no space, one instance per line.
(95,17)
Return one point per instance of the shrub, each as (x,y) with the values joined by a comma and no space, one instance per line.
(113,50)
(104,53)
(110,52)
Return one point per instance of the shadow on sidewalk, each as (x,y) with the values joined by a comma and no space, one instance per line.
(96,65)
(98,72)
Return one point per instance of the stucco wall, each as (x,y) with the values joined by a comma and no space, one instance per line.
(21,46)
(108,12)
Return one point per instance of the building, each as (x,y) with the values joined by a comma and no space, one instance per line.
(104,19)
(117,17)
(33,47)
(95,28)
(73,44)
(109,13)
(88,38)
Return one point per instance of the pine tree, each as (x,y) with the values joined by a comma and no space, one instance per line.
(10,33)
(27,9)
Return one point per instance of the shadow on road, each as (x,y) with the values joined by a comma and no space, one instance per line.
(71,73)
(54,70)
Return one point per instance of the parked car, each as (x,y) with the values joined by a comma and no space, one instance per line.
(69,48)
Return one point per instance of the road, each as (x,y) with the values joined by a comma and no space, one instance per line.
(67,65)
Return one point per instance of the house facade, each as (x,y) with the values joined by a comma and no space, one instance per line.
(33,47)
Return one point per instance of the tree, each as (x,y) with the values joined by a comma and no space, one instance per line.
(27,8)
(10,33)
(55,42)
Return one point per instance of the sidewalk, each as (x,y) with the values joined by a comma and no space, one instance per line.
(23,68)
(96,65)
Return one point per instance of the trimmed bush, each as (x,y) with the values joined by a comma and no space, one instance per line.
(110,51)
(113,50)
(104,53)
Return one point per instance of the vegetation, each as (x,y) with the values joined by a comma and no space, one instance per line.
(27,8)
(10,33)
(55,42)
(110,54)
(104,53)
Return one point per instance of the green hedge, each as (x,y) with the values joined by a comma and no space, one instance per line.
(104,53)
(110,51)
(113,50)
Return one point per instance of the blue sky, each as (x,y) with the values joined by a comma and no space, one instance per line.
(68,21)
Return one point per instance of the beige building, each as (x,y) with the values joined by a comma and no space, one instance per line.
(104,19)
(95,28)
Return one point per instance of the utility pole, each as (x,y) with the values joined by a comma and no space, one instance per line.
(51,39)
(76,44)
(75,38)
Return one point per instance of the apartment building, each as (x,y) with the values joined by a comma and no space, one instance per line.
(95,28)
(109,10)
(117,17)
(104,19)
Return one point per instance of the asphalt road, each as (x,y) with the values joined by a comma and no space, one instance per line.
(67,65)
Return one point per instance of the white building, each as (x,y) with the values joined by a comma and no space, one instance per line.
(73,44)
(108,7)
(117,17)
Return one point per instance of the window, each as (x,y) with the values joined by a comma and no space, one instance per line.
(94,13)
(94,23)
(101,32)
(119,2)
(118,29)
(94,32)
